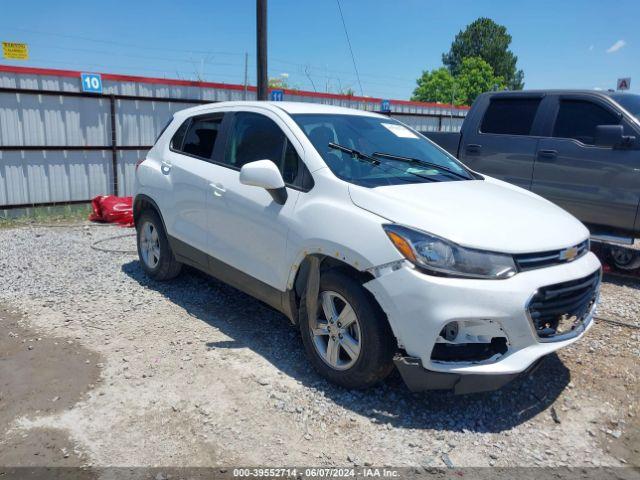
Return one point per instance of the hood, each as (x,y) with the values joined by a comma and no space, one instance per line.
(483,214)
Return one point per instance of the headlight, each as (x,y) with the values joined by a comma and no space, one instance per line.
(442,257)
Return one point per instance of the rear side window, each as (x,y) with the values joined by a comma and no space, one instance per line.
(578,119)
(178,137)
(256,137)
(510,116)
(197,136)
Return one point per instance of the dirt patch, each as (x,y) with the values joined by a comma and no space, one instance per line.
(39,376)
(605,368)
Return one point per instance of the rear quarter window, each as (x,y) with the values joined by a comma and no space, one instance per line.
(510,116)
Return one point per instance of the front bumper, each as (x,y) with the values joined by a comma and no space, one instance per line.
(418,306)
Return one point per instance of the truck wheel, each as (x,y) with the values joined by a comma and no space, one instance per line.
(625,258)
(155,254)
(348,339)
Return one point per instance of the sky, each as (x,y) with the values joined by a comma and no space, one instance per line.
(559,44)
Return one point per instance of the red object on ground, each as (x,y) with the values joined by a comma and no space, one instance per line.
(112,209)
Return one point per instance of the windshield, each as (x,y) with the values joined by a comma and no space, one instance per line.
(373,136)
(629,101)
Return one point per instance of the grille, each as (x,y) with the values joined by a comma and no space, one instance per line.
(531,261)
(558,311)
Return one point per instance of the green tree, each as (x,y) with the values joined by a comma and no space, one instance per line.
(485,39)
(476,76)
(438,86)
(280,83)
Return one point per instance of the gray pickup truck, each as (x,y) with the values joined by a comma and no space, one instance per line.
(578,149)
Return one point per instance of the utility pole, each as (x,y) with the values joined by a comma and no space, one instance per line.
(261,35)
(453,94)
(246,75)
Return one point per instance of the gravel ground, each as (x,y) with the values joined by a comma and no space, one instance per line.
(195,373)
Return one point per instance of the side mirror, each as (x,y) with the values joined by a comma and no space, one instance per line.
(609,135)
(265,174)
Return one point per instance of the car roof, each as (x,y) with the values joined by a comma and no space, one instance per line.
(291,108)
(555,91)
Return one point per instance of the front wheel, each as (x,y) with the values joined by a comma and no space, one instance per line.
(625,258)
(348,339)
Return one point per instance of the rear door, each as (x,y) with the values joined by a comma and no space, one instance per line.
(187,166)
(504,145)
(599,185)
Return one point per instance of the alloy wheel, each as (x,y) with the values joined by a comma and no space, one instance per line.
(336,333)
(149,245)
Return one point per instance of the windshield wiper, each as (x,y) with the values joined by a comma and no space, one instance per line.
(419,162)
(358,155)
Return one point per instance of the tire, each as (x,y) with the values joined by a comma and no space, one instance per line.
(376,341)
(157,260)
(625,258)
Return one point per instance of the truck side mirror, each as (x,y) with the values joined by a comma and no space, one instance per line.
(609,135)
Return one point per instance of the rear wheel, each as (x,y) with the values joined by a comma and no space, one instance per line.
(154,251)
(347,339)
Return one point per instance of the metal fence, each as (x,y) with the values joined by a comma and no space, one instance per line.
(59,145)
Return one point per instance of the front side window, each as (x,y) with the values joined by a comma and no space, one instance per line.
(578,119)
(197,136)
(417,160)
(256,137)
(510,116)
(630,102)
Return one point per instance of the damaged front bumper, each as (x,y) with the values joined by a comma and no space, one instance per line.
(492,316)
(418,379)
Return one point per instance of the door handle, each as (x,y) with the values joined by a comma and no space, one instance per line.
(218,189)
(473,148)
(548,154)
(165,167)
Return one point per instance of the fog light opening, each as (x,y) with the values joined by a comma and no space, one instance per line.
(450,331)
(470,341)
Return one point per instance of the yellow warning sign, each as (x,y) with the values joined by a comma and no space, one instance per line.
(15,51)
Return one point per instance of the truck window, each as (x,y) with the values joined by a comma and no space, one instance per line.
(578,119)
(510,116)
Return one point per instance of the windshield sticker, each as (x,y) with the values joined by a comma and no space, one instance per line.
(422,171)
(399,130)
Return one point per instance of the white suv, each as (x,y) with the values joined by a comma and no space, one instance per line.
(379,244)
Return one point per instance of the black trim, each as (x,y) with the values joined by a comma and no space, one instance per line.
(196,258)
(43,204)
(279,195)
(31,91)
(29,148)
(419,379)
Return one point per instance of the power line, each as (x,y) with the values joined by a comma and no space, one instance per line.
(350,49)
(121,44)
(306,69)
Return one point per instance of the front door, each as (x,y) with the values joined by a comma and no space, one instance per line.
(247,229)
(599,185)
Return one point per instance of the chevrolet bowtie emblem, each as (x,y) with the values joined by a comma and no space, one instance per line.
(569,254)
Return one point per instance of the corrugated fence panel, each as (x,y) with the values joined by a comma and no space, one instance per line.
(28,177)
(53,120)
(127,160)
(418,122)
(138,122)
